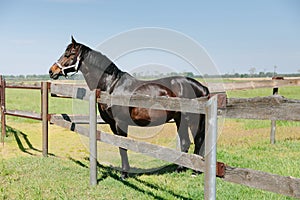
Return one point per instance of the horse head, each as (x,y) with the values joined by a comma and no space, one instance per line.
(69,62)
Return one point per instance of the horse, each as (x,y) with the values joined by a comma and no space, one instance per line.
(101,73)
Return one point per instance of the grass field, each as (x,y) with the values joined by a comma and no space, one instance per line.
(25,174)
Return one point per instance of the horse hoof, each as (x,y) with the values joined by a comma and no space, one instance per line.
(195,173)
(181,169)
(124,175)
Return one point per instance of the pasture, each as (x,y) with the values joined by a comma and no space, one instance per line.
(24,174)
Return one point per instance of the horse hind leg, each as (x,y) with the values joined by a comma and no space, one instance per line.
(197,127)
(184,139)
(182,130)
(122,131)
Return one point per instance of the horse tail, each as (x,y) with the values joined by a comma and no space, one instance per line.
(199,89)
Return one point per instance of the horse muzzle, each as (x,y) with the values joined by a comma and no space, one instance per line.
(55,71)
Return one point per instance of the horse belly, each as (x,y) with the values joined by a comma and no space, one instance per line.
(150,117)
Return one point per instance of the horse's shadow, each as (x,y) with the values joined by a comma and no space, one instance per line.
(114,172)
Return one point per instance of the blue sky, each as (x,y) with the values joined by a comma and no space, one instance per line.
(237,35)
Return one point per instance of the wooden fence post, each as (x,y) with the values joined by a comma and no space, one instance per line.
(93,139)
(211,128)
(44,102)
(273,122)
(3,118)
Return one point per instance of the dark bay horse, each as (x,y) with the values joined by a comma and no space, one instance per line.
(101,73)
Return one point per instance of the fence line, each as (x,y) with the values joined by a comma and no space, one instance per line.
(42,116)
(206,106)
(288,186)
(160,103)
(213,87)
(191,161)
(220,87)
(248,177)
(274,183)
(273,107)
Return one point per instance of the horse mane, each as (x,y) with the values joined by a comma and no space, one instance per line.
(97,68)
(100,61)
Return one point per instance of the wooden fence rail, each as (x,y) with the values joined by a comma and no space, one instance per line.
(191,161)
(267,108)
(159,103)
(273,108)
(213,87)
(24,114)
(221,87)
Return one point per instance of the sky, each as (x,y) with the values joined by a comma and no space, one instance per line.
(236,35)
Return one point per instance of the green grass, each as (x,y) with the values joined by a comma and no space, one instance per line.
(30,100)
(292,92)
(24,174)
(53,178)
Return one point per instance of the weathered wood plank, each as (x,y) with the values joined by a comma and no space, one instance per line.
(23,85)
(25,114)
(159,103)
(220,87)
(78,119)
(288,186)
(191,161)
(213,87)
(271,108)
(71,91)
(60,121)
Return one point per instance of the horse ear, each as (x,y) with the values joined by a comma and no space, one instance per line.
(73,40)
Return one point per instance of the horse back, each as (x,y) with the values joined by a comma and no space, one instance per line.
(185,87)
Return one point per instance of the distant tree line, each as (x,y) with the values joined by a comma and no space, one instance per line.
(227,75)
(252,75)
(79,76)
(35,77)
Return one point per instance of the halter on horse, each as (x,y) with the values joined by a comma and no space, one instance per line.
(101,73)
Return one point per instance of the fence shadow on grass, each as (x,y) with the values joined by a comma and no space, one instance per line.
(113,172)
(19,135)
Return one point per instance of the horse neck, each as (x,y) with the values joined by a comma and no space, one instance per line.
(99,71)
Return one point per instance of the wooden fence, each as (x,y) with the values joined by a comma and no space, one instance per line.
(42,116)
(200,105)
(272,108)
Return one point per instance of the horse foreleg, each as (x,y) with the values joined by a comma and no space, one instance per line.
(125,163)
(122,131)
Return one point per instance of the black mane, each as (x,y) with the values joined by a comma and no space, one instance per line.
(100,70)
